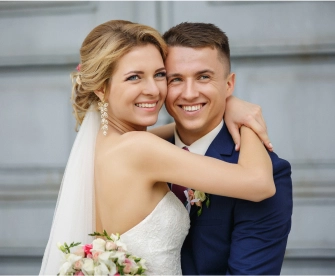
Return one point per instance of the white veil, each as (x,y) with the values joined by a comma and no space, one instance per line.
(74,216)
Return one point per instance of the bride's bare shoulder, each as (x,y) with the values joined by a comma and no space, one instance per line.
(135,142)
(139,137)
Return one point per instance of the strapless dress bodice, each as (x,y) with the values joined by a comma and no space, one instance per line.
(159,237)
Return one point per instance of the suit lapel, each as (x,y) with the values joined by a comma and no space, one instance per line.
(222,145)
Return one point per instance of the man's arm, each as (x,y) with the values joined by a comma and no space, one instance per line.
(261,229)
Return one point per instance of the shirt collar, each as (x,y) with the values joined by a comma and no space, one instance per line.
(201,145)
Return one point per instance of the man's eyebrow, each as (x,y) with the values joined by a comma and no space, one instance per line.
(134,72)
(205,71)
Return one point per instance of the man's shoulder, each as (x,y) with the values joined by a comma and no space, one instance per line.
(171,139)
(279,165)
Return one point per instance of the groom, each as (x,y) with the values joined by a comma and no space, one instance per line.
(231,236)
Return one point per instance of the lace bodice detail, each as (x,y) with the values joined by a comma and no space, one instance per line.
(159,237)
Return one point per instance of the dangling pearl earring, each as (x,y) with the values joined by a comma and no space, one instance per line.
(104,122)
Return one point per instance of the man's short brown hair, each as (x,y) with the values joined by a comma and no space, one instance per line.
(199,35)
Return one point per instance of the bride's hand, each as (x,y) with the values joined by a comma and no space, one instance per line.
(238,113)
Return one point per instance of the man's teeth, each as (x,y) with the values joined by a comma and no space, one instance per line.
(192,107)
(146,105)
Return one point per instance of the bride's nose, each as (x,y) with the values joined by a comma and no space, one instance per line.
(151,88)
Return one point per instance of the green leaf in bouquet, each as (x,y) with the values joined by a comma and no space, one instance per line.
(199,211)
(208,202)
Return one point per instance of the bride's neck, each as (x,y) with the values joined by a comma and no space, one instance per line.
(123,127)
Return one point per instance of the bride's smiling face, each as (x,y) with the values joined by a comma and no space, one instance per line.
(138,88)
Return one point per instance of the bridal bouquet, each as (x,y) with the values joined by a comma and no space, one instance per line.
(102,257)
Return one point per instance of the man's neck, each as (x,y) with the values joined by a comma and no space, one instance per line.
(188,137)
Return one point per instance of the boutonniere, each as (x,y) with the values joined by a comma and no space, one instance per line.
(197,198)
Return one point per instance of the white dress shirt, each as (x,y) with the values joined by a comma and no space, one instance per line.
(201,145)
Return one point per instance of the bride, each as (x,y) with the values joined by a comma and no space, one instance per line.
(116,177)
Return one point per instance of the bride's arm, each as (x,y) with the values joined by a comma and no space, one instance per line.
(250,179)
(237,113)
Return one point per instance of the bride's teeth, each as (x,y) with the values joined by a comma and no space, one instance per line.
(146,105)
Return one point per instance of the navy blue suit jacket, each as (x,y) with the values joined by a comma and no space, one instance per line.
(235,236)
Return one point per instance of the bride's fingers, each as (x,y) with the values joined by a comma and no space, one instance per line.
(234,131)
(264,137)
(259,127)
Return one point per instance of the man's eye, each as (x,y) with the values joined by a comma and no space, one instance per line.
(160,75)
(175,80)
(133,77)
(203,77)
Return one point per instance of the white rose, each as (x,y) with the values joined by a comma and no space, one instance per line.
(142,263)
(99,245)
(117,255)
(119,243)
(65,268)
(121,257)
(200,195)
(105,258)
(101,270)
(72,258)
(88,267)
(115,237)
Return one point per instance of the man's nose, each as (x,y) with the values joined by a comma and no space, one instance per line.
(190,91)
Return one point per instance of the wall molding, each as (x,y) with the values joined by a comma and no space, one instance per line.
(236,53)
(42,183)
(42,8)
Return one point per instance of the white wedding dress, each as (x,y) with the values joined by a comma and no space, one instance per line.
(159,237)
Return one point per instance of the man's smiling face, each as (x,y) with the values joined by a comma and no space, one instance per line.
(198,84)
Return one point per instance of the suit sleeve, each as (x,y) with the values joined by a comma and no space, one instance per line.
(261,229)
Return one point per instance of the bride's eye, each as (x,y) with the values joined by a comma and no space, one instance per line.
(133,77)
(160,75)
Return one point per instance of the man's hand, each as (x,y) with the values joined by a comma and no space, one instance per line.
(238,113)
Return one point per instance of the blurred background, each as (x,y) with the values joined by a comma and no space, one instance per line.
(283,54)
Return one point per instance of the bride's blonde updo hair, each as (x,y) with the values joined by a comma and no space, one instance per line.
(99,55)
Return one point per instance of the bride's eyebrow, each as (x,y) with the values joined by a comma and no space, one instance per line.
(134,72)
(160,69)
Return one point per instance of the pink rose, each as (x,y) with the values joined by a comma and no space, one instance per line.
(111,245)
(191,195)
(78,67)
(79,273)
(87,249)
(96,255)
(77,265)
(117,274)
(80,252)
(127,267)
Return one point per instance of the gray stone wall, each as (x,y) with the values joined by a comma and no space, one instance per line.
(283,54)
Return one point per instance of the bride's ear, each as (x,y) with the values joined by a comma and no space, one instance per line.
(100,93)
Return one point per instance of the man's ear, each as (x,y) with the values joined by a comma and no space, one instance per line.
(230,84)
